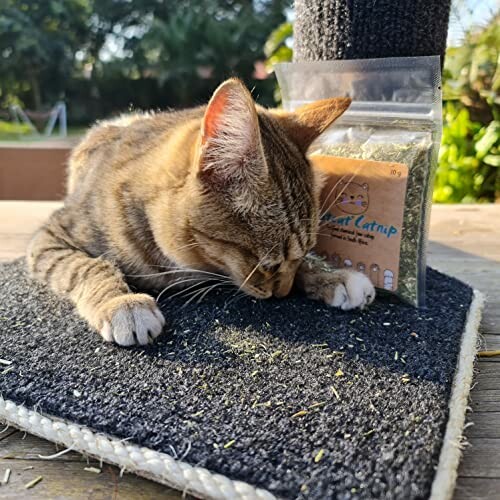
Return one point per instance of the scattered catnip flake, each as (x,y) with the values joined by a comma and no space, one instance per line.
(369,433)
(317,405)
(95,470)
(198,413)
(5,362)
(229,444)
(33,483)
(319,456)
(335,392)
(300,413)
(396,356)
(339,373)
(267,404)
(6,476)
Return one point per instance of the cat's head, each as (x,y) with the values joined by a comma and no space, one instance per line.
(256,215)
(353,197)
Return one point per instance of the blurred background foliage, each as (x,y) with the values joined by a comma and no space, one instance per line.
(469,159)
(103,57)
(106,56)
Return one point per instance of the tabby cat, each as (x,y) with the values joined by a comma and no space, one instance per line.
(217,194)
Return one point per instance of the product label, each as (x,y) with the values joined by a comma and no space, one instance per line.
(362,207)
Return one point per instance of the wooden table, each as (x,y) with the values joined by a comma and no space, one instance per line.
(465,242)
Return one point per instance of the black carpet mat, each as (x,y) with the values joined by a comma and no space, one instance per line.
(288,395)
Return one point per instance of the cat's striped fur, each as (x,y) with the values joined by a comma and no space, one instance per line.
(217,194)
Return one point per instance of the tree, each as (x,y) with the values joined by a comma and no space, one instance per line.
(39,40)
(192,47)
(469,160)
(105,56)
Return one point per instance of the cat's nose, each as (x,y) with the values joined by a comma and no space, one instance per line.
(282,288)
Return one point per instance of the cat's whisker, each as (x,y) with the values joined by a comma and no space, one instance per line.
(195,271)
(340,194)
(321,208)
(187,289)
(238,295)
(195,293)
(256,267)
(207,291)
(176,271)
(201,293)
(318,233)
(174,284)
(189,245)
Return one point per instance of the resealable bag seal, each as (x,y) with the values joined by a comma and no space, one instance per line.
(395,115)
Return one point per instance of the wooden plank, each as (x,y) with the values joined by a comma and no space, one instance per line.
(34,173)
(21,217)
(23,446)
(484,401)
(476,488)
(487,377)
(490,343)
(18,221)
(8,431)
(481,458)
(69,480)
(485,424)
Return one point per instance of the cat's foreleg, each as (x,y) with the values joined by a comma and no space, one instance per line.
(344,288)
(96,287)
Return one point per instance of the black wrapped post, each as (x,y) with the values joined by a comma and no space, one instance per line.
(362,29)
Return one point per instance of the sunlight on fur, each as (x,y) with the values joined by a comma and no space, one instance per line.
(218,196)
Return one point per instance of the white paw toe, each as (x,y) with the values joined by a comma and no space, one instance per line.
(360,291)
(133,324)
(355,291)
(339,296)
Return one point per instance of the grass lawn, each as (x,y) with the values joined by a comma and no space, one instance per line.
(13,132)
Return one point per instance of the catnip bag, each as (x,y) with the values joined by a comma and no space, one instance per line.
(379,159)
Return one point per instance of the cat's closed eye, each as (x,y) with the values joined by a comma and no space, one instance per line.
(271,268)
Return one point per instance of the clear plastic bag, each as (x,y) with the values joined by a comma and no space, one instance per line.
(395,116)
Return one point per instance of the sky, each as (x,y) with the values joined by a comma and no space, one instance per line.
(468,13)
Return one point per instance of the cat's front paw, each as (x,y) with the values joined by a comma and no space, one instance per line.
(131,319)
(342,288)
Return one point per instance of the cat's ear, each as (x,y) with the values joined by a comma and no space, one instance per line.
(307,122)
(230,145)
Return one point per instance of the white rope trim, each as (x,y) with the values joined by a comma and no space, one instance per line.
(205,484)
(449,459)
(142,461)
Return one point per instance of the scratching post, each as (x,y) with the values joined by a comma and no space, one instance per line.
(357,29)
